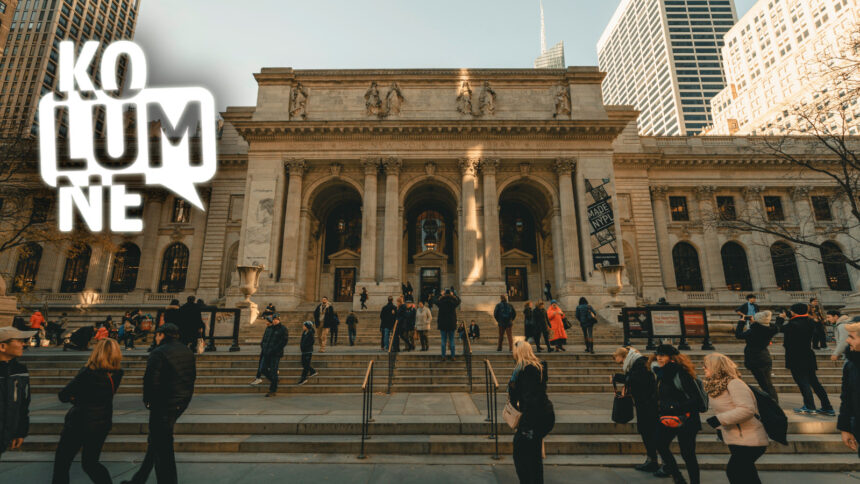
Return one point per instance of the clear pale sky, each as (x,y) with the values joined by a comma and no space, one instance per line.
(219,44)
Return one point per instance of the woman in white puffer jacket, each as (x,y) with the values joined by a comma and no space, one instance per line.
(735,411)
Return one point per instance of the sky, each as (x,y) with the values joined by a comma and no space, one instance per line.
(219,44)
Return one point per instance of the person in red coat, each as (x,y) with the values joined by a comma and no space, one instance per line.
(556,324)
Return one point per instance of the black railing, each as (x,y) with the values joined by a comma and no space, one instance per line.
(492,387)
(366,406)
(467,355)
(392,356)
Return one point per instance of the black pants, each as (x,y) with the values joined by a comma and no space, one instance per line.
(90,443)
(765,382)
(646,424)
(351,330)
(307,369)
(333,336)
(819,336)
(741,467)
(527,458)
(159,447)
(363,304)
(687,441)
(269,366)
(422,336)
(538,335)
(807,381)
(405,336)
(588,335)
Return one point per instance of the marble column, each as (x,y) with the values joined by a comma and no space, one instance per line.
(759,249)
(195,260)
(661,229)
(715,278)
(557,249)
(302,252)
(150,261)
(392,240)
(469,235)
(367,266)
(492,242)
(808,257)
(564,167)
(290,252)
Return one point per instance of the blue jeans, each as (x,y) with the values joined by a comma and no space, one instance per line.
(386,337)
(447,335)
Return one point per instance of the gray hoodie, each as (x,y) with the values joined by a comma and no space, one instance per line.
(841,334)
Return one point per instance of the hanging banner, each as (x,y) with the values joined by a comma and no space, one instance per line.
(601,218)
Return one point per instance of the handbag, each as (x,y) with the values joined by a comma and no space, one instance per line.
(201,346)
(622,407)
(565,323)
(511,415)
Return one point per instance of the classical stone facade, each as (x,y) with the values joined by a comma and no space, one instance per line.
(485,180)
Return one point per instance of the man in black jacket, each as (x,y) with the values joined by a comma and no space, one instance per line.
(272,350)
(446,320)
(190,323)
(849,411)
(306,346)
(504,315)
(757,357)
(800,359)
(168,385)
(640,383)
(14,389)
(387,318)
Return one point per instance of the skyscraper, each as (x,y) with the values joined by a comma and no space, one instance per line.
(663,57)
(549,58)
(7,10)
(28,67)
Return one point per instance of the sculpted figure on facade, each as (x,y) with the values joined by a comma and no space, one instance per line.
(372,101)
(562,101)
(486,101)
(299,102)
(393,100)
(464,99)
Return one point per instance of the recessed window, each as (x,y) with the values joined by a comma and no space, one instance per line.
(821,208)
(773,208)
(678,207)
(181,211)
(726,208)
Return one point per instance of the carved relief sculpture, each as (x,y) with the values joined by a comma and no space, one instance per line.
(486,101)
(562,101)
(464,99)
(299,102)
(372,101)
(393,100)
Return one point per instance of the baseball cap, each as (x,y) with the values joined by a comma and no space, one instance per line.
(8,333)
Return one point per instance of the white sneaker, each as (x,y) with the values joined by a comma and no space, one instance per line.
(257,381)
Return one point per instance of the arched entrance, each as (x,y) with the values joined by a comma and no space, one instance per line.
(430,239)
(525,212)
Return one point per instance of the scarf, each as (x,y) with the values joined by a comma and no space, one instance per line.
(717,386)
(632,356)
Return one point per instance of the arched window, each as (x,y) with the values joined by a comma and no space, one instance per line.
(688,275)
(174,268)
(736,267)
(126,263)
(517,228)
(834,267)
(785,267)
(430,231)
(343,229)
(77,268)
(27,268)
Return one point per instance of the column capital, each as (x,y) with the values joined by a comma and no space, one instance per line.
(295,166)
(489,166)
(392,165)
(469,166)
(565,166)
(704,192)
(658,192)
(371,165)
(752,192)
(799,193)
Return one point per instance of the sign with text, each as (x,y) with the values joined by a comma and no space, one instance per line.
(666,323)
(695,322)
(602,220)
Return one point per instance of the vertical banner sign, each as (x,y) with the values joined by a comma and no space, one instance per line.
(602,221)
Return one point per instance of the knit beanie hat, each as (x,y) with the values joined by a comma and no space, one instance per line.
(763,317)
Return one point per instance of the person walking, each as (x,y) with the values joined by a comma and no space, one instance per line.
(446,320)
(261,361)
(757,357)
(37,324)
(191,325)
(747,310)
(272,345)
(528,322)
(168,385)
(541,326)
(405,324)
(14,389)
(527,393)
(735,412)
(587,318)
(324,319)
(840,324)
(639,383)
(408,294)
(556,323)
(333,331)
(171,315)
(505,314)
(387,318)
(363,298)
(351,322)
(816,314)
(801,361)
(89,421)
(423,318)
(848,422)
(678,406)
(306,346)
(547,291)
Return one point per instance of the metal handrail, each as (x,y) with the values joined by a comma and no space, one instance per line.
(392,355)
(467,355)
(366,406)
(492,386)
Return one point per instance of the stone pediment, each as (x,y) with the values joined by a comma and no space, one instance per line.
(430,257)
(514,256)
(345,256)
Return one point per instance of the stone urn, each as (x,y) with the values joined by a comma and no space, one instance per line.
(612,282)
(249,280)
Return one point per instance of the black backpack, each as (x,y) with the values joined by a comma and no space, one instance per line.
(702,397)
(771,416)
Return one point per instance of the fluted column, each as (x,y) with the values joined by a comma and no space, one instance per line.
(558,249)
(564,167)
(492,242)
(392,241)
(367,266)
(759,249)
(469,236)
(290,252)
(661,228)
(150,260)
(715,276)
(808,257)
(302,250)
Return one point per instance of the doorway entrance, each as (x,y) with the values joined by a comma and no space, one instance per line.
(344,284)
(516,283)
(431,281)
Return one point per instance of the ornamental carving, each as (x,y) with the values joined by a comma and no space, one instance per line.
(372,101)
(752,192)
(659,192)
(469,166)
(565,166)
(376,105)
(296,166)
(799,193)
(705,192)
(371,165)
(464,99)
(486,101)
(430,168)
(562,101)
(489,165)
(392,166)
(336,169)
(299,102)
(393,100)
(524,169)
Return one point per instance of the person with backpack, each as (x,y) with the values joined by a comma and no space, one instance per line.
(527,394)
(505,314)
(849,411)
(587,318)
(639,383)
(757,357)
(735,412)
(351,322)
(680,400)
